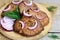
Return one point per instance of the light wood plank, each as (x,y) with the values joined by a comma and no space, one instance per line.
(56,24)
(47,38)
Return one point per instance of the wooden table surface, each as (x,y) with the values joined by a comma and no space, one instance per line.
(55,28)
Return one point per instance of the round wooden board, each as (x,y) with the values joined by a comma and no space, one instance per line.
(15,36)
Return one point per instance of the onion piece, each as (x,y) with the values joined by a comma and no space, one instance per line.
(35,10)
(15,2)
(22,24)
(7,19)
(40,18)
(28,4)
(31,28)
(7,8)
(26,13)
(7,24)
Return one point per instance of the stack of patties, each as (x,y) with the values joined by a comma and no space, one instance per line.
(25,20)
(33,18)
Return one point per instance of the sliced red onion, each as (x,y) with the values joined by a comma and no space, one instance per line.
(22,24)
(33,26)
(7,19)
(15,2)
(26,14)
(41,18)
(7,8)
(7,23)
(35,10)
(6,26)
(28,4)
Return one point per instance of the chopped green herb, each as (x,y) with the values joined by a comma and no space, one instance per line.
(54,36)
(51,8)
(13,14)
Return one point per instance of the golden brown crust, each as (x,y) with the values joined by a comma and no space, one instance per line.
(27,32)
(17,26)
(34,7)
(45,18)
(30,10)
(22,7)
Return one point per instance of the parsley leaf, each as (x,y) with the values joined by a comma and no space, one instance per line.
(54,36)
(51,8)
(13,14)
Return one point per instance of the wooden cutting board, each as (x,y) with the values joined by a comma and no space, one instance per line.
(2,3)
(13,35)
(2,37)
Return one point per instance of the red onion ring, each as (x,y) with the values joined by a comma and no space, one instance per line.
(26,13)
(22,24)
(28,4)
(35,10)
(41,18)
(7,8)
(7,25)
(31,28)
(15,2)
(7,20)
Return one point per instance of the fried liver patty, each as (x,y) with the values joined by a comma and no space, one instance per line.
(45,18)
(40,14)
(34,7)
(22,7)
(17,26)
(29,22)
